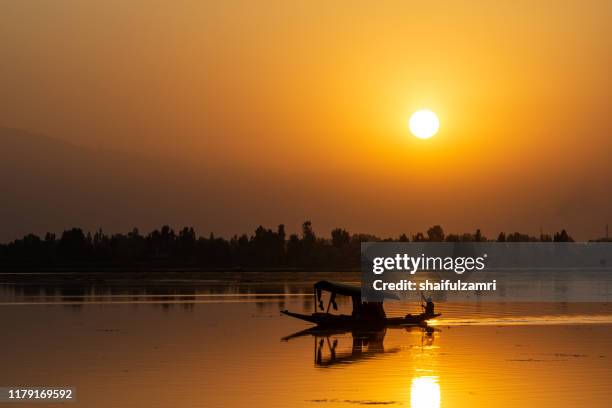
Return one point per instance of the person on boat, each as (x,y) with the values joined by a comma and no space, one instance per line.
(429,307)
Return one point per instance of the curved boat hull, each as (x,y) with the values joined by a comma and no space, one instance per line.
(346,321)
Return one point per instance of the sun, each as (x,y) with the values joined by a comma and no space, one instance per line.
(424,124)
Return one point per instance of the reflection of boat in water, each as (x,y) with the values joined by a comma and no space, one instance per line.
(365,344)
(364,315)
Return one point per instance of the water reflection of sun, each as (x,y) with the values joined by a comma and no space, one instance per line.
(425,392)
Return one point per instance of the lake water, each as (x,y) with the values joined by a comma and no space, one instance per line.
(218,340)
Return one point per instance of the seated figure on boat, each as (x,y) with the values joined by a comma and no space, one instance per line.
(429,307)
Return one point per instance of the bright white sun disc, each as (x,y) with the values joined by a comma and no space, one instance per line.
(424,124)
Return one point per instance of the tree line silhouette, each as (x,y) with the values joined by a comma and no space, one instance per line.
(265,248)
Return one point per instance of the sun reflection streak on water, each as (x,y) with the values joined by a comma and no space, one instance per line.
(425,392)
(524,320)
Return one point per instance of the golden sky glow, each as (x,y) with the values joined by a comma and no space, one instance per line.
(521,88)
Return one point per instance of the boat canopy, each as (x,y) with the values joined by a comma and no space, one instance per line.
(345,290)
(338,288)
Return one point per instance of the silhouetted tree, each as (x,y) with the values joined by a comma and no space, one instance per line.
(340,237)
(435,233)
(562,236)
(185,244)
(518,237)
(308,235)
(419,237)
(545,238)
(73,245)
(294,250)
(453,238)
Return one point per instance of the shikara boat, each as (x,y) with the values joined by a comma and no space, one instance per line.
(365,314)
(348,321)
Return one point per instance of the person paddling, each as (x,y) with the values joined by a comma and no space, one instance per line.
(429,305)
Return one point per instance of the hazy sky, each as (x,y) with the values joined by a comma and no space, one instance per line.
(319,93)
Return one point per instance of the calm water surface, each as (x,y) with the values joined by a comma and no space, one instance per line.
(218,340)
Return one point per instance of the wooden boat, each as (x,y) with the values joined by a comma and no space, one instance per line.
(349,322)
(365,314)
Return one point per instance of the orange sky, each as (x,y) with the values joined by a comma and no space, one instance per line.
(319,93)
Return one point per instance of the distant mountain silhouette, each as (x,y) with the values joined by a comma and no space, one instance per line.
(48,184)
